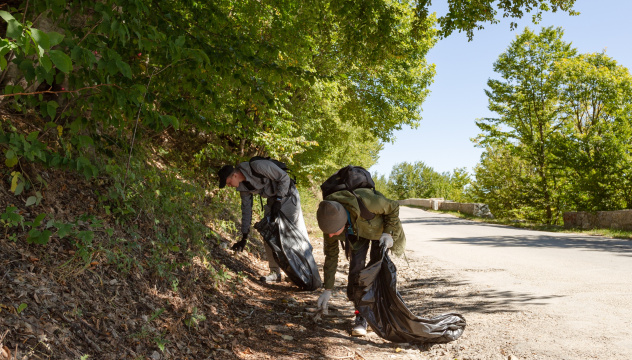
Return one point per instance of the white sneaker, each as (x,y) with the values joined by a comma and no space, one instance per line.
(273,277)
(360,326)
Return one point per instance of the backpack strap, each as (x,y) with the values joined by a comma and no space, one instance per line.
(253,171)
(364,211)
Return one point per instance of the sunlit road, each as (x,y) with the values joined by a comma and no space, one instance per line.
(578,287)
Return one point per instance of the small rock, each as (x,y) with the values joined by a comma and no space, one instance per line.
(287,337)
(155,355)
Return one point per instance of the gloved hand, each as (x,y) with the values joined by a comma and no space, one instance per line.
(239,246)
(386,240)
(323,299)
(275,209)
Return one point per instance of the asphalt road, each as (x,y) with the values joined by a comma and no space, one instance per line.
(542,294)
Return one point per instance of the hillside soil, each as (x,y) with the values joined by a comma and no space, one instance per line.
(53,305)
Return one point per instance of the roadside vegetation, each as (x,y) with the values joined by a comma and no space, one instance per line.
(115,116)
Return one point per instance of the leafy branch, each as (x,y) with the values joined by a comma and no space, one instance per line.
(59,91)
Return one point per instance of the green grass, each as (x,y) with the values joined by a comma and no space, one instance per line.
(522,224)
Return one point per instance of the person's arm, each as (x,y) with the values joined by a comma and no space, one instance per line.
(331,250)
(269,170)
(246,211)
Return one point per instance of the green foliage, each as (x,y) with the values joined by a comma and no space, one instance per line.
(226,76)
(30,148)
(10,218)
(40,233)
(596,94)
(161,342)
(37,236)
(21,308)
(383,185)
(526,100)
(469,16)
(502,182)
(26,41)
(560,142)
(156,314)
(195,318)
(412,180)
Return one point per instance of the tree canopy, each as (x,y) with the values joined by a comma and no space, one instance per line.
(317,84)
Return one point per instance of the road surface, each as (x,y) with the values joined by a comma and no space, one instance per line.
(526,294)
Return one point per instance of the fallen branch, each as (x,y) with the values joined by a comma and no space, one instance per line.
(90,327)
(79,332)
(356,352)
(343,357)
(58,92)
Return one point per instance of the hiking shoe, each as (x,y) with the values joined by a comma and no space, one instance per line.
(360,326)
(273,277)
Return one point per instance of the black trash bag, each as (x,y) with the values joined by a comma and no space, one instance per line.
(385,311)
(291,250)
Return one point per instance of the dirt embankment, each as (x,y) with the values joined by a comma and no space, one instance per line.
(55,306)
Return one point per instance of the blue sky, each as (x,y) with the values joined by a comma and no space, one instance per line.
(457,98)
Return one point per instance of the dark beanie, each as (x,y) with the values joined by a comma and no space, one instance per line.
(331,216)
(224,173)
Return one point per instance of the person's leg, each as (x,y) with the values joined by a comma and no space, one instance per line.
(356,265)
(376,252)
(359,325)
(275,270)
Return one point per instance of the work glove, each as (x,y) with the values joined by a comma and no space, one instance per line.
(323,299)
(275,209)
(239,246)
(386,240)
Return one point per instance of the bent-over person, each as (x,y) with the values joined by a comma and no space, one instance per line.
(265,178)
(339,218)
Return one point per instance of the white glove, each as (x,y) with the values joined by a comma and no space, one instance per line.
(386,240)
(323,299)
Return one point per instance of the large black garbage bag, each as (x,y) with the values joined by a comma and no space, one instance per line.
(291,250)
(385,311)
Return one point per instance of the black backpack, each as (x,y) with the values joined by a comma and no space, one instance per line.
(278,163)
(350,178)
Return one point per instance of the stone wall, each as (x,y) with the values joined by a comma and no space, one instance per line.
(476,209)
(619,219)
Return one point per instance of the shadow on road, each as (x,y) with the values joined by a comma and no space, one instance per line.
(528,238)
(620,247)
(437,295)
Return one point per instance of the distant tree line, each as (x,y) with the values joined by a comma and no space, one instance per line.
(418,180)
